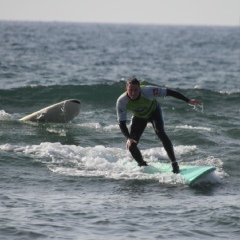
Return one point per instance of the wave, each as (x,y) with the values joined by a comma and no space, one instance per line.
(55,93)
(28,99)
(99,92)
(100,161)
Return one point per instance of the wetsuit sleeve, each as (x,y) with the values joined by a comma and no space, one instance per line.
(177,95)
(124,129)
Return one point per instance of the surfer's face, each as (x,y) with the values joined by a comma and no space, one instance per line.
(133,91)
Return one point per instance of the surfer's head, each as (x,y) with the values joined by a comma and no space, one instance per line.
(133,88)
(133,81)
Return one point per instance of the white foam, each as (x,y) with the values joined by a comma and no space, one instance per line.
(111,127)
(7,147)
(154,154)
(211,177)
(107,162)
(90,125)
(60,132)
(5,116)
(208,161)
(96,125)
(195,128)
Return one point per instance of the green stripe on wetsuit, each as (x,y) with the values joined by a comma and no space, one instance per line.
(142,107)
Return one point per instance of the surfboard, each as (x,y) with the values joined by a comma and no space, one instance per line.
(190,174)
(61,112)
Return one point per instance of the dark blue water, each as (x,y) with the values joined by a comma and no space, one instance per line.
(71,181)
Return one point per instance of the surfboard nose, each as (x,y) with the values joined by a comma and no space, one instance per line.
(75,101)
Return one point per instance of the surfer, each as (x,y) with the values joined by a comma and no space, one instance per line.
(141,100)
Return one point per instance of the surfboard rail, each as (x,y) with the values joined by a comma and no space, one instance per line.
(191,174)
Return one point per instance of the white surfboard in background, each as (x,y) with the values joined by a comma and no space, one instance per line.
(61,112)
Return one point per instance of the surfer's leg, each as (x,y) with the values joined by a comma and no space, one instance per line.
(136,129)
(158,125)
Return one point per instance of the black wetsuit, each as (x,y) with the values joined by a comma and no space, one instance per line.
(145,109)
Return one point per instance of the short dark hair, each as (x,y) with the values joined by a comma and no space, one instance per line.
(133,81)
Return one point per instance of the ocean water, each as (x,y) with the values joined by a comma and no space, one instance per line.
(71,181)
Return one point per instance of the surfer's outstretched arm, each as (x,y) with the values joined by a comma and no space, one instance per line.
(180,96)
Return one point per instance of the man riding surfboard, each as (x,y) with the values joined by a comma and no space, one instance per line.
(141,101)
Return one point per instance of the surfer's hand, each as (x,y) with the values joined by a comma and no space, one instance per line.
(194,102)
(129,143)
(175,167)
